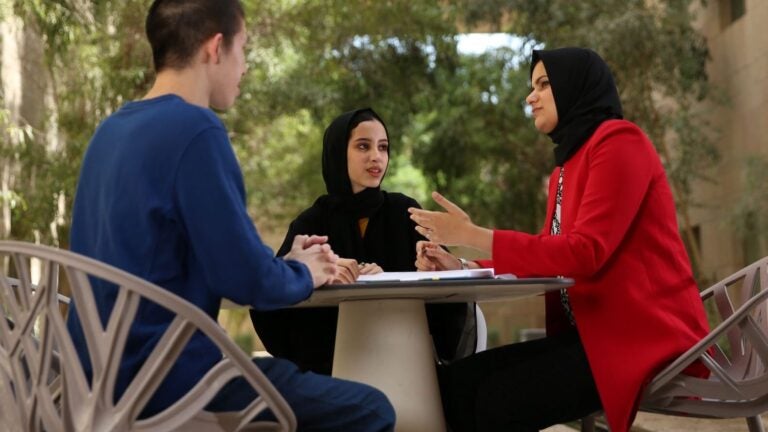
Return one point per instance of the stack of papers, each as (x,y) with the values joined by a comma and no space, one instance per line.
(485,273)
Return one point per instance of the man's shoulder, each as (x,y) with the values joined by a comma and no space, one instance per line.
(203,115)
(160,129)
(170,111)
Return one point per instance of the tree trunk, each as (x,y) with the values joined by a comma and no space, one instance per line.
(31,115)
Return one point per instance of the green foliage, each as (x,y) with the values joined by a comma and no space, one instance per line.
(12,139)
(280,162)
(95,59)
(751,216)
(657,57)
(457,122)
(31,196)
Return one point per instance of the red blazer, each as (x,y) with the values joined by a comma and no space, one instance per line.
(635,301)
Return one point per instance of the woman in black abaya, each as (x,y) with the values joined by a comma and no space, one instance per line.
(372,231)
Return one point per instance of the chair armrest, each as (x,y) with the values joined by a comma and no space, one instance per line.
(700,349)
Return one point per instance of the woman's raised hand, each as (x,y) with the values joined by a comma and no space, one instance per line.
(447,228)
(451,227)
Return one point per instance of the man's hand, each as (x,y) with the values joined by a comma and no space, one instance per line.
(316,254)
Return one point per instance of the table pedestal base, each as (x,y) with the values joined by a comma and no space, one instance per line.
(374,339)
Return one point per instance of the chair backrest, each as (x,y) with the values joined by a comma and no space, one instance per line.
(33,333)
(735,352)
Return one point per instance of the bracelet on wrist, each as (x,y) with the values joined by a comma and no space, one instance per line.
(464,264)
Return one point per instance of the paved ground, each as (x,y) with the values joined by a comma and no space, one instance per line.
(646,422)
(659,423)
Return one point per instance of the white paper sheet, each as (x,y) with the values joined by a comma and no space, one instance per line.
(485,273)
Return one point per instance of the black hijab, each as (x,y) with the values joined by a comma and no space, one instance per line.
(335,173)
(584,92)
(390,237)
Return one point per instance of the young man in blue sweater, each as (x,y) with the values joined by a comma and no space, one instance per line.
(161,196)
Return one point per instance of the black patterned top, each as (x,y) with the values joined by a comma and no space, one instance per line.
(556,231)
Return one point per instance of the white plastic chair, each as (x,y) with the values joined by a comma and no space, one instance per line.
(482,330)
(35,397)
(735,352)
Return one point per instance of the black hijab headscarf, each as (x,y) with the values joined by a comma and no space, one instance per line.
(335,173)
(584,92)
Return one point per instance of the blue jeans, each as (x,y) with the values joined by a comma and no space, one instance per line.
(320,403)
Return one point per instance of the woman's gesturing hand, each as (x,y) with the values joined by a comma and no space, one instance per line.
(452,227)
(447,228)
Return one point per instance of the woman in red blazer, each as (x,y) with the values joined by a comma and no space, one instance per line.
(611,226)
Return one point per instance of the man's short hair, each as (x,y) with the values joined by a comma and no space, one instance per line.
(176,29)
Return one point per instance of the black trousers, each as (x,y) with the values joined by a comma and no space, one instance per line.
(525,386)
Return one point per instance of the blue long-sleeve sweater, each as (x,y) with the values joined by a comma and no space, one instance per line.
(161,196)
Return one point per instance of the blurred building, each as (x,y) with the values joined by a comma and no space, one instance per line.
(731,219)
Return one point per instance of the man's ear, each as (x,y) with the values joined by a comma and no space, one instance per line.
(212,49)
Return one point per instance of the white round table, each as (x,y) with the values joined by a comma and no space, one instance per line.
(382,337)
